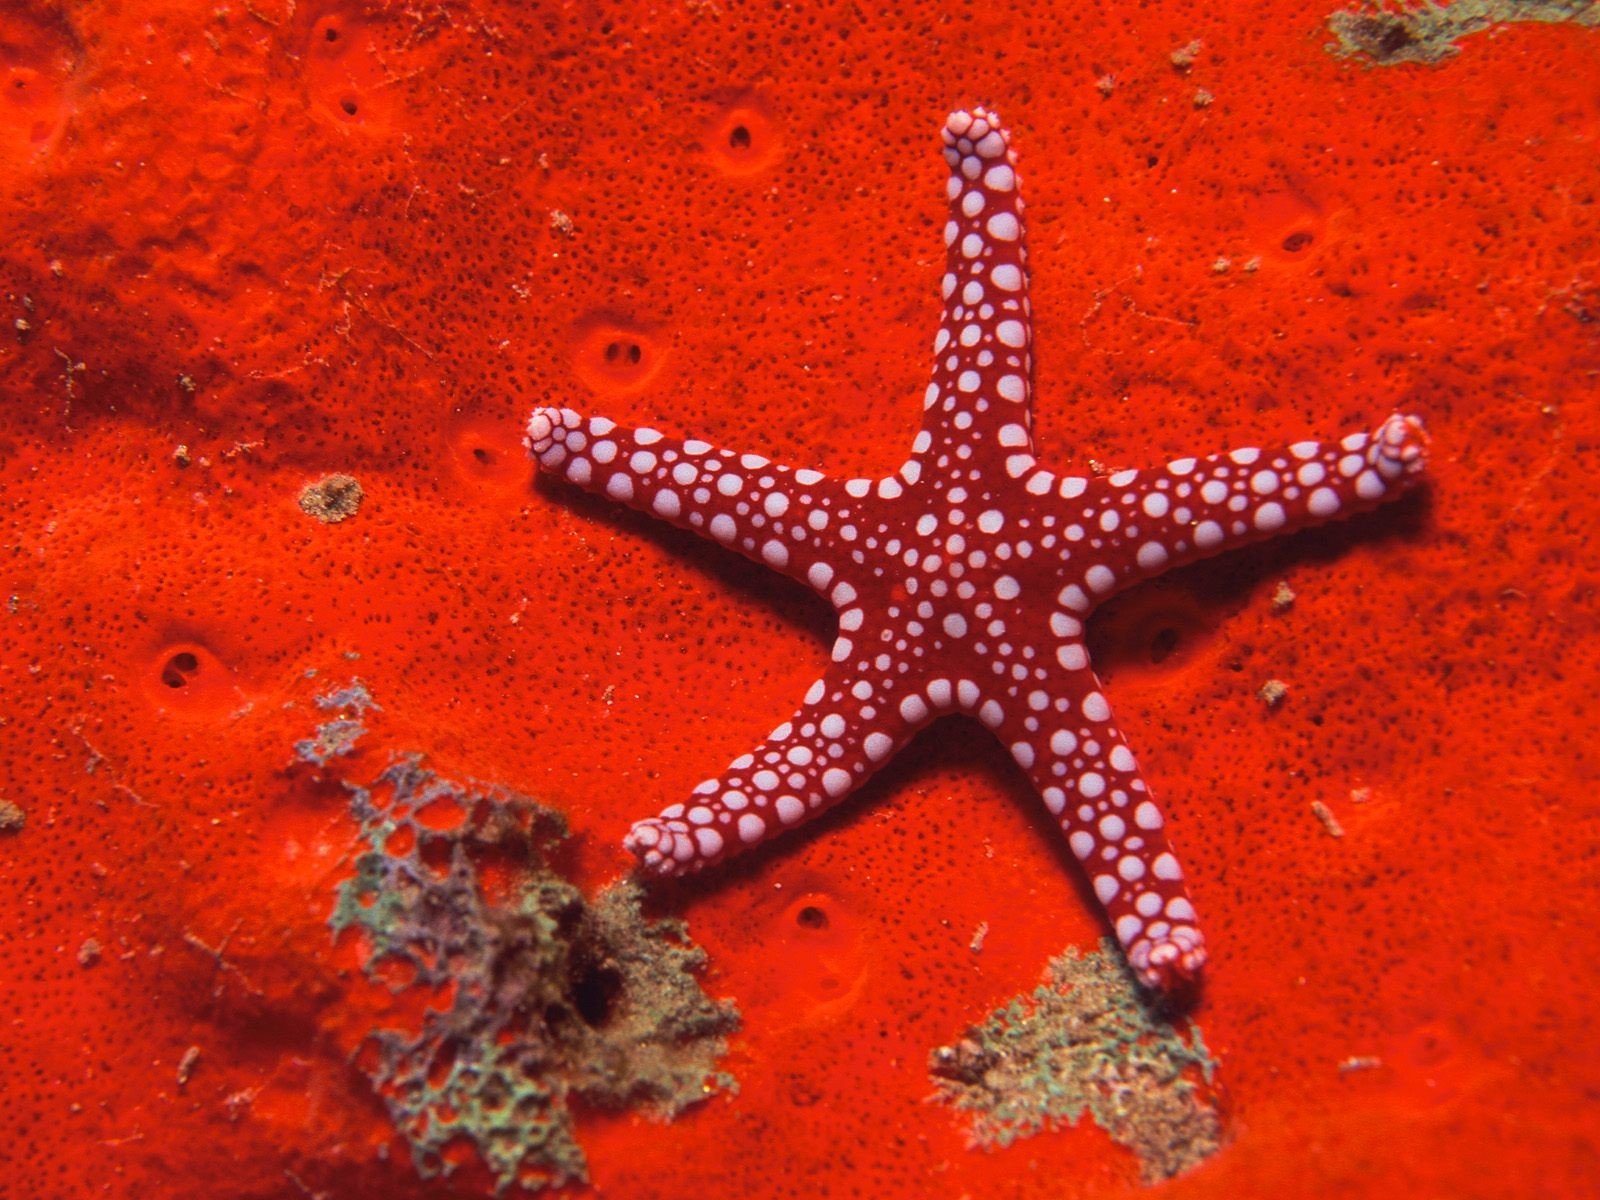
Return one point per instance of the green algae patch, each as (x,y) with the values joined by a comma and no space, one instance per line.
(549,997)
(1428,33)
(1086,1041)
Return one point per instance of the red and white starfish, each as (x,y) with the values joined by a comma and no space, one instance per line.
(963,580)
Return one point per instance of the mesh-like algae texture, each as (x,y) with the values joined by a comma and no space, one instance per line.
(1086,1040)
(550,997)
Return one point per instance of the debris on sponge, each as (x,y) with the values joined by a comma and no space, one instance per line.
(353,696)
(338,737)
(187,1064)
(332,499)
(552,998)
(1086,1041)
(1329,822)
(1184,57)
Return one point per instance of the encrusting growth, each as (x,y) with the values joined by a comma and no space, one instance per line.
(550,998)
(962,580)
(1086,1041)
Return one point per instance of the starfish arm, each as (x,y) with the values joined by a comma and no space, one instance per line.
(776,515)
(977,408)
(1193,508)
(1082,768)
(845,729)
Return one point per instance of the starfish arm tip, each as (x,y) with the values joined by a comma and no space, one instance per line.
(544,429)
(1170,962)
(1402,445)
(665,847)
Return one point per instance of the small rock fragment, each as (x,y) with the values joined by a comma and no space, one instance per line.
(1329,822)
(186,1064)
(237,1104)
(1272,692)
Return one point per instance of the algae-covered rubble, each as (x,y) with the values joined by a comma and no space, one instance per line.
(551,997)
(1086,1040)
(1427,33)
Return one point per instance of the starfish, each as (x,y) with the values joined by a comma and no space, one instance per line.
(963,580)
